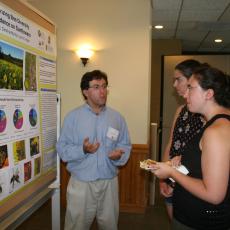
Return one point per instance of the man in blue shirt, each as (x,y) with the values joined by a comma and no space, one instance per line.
(94,141)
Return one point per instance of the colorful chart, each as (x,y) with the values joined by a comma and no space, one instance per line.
(18,119)
(2,121)
(33,117)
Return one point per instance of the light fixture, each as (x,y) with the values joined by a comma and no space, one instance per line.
(158,27)
(84,54)
(218,40)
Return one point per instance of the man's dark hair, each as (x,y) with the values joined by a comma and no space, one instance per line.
(89,76)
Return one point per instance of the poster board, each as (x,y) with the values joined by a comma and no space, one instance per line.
(28,106)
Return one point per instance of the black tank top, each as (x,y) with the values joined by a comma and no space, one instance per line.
(189,209)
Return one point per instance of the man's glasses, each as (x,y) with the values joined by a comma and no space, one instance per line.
(97,87)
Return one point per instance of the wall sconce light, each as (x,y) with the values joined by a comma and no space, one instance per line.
(84,54)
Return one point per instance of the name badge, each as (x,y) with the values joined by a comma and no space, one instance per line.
(112,133)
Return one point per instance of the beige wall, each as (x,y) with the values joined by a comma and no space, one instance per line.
(120,33)
(160,48)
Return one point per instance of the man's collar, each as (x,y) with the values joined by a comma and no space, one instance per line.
(90,108)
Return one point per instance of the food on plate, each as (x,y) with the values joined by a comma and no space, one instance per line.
(146,164)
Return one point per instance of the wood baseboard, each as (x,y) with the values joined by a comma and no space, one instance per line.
(134,182)
(132,208)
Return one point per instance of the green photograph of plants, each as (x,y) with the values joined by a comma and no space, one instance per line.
(30,72)
(11,67)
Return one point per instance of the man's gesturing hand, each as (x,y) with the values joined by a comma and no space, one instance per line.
(90,147)
(116,154)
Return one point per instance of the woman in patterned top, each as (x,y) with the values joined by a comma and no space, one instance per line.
(185,126)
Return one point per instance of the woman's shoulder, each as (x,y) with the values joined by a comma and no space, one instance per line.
(221,123)
(220,128)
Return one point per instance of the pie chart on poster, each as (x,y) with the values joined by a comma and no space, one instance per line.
(33,117)
(2,121)
(18,119)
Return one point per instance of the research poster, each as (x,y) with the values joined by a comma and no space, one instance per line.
(27,101)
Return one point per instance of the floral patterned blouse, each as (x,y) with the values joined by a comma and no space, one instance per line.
(186,127)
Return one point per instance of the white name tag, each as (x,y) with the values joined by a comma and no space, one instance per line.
(112,133)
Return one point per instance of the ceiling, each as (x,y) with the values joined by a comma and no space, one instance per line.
(197,23)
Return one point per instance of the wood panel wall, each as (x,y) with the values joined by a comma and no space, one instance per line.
(133,182)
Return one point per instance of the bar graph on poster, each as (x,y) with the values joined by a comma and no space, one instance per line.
(28,122)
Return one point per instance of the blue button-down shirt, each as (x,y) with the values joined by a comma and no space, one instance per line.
(83,122)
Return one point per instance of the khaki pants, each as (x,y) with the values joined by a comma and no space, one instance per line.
(87,200)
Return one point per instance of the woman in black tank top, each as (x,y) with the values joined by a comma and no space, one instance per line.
(201,199)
